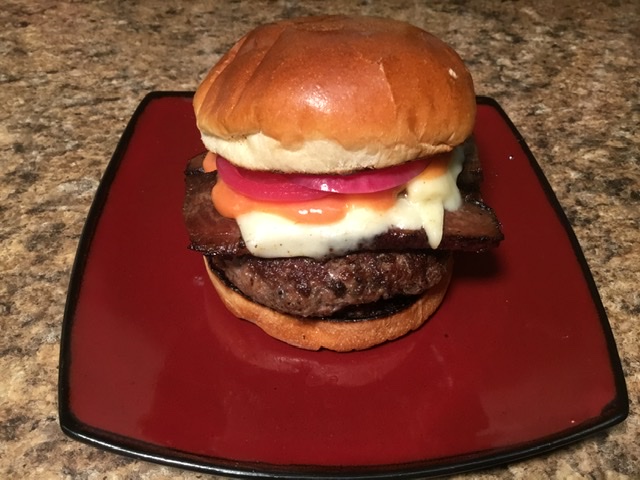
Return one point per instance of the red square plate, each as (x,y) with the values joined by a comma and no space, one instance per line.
(519,359)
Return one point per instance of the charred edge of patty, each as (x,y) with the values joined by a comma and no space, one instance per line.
(352,313)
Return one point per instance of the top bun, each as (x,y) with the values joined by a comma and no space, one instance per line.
(335,94)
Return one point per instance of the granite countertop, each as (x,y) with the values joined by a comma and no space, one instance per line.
(72,73)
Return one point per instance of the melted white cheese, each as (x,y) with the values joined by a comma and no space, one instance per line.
(268,235)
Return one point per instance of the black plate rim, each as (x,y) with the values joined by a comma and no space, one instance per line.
(616,412)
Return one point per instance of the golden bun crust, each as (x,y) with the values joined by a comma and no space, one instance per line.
(332,335)
(335,94)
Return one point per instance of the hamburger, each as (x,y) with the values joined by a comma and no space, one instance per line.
(340,177)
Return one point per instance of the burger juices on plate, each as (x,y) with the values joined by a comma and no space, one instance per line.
(340,177)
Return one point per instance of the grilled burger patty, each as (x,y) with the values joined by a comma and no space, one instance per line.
(321,288)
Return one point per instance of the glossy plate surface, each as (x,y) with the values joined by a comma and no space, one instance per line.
(518,360)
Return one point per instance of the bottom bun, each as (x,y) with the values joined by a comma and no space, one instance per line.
(340,336)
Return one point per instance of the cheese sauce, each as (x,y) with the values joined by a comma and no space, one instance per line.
(270,234)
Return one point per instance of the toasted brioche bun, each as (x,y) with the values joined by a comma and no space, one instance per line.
(335,94)
(340,336)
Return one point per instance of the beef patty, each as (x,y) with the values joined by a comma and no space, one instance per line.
(347,287)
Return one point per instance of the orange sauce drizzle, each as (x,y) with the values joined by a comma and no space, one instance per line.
(209,163)
(329,209)
(437,167)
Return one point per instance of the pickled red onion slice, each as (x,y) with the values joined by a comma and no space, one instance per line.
(280,187)
(365,181)
(266,186)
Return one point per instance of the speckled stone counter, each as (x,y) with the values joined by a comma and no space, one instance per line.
(72,73)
